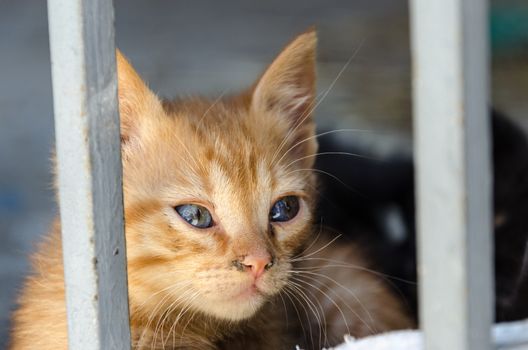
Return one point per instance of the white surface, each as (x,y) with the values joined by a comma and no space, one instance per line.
(451,123)
(400,340)
(506,336)
(89,173)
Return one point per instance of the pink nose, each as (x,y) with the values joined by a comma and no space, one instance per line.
(257,264)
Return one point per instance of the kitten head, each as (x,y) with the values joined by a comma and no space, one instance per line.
(218,193)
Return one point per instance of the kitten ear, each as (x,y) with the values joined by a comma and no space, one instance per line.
(288,85)
(287,89)
(136,100)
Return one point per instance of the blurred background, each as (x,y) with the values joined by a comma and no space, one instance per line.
(213,47)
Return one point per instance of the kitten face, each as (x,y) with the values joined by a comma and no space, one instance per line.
(235,159)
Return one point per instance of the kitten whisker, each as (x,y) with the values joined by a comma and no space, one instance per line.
(289,133)
(330,153)
(311,244)
(322,248)
(345,288)
(338,263)
(385,277)
(291,293)
(311,305)
(161,323)
(184,310)
(329,174)
(197,164)
(285,309)
(161,291)
(337,306)
(211,107)
(322,134)
(321,319)
(164,315)
(186,324)
(150,319)
(152,315)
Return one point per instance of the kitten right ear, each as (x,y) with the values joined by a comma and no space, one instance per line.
(136,101)
(287,90)
(287,87)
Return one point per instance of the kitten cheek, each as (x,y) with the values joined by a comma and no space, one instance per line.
(291,231)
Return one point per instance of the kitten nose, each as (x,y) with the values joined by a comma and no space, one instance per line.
(257,264)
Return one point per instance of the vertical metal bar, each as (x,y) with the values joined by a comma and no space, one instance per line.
(89,172)
(450,53)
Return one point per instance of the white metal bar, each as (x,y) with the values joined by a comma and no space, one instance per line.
(450,68)
(89,172)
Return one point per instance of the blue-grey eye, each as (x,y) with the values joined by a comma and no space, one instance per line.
(195,215)
(284,209)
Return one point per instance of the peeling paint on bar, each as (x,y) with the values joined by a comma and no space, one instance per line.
(451,127)
(89,173)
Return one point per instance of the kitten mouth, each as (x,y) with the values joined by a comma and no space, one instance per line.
(248,293)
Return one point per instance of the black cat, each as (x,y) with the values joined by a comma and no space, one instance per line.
(374,203)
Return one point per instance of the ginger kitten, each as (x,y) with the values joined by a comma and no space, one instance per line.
(221,248)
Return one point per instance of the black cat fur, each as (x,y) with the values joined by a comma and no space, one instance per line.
(369,191)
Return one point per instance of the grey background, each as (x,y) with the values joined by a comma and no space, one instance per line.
(211,47)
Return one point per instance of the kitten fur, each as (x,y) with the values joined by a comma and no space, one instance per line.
(236,157)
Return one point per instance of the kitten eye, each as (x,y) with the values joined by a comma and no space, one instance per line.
(284,209)
(195,215)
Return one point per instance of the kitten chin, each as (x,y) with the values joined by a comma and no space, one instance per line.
(239,300)
(219,199)
(240,307)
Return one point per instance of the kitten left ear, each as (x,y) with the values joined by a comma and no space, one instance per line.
(287,88)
